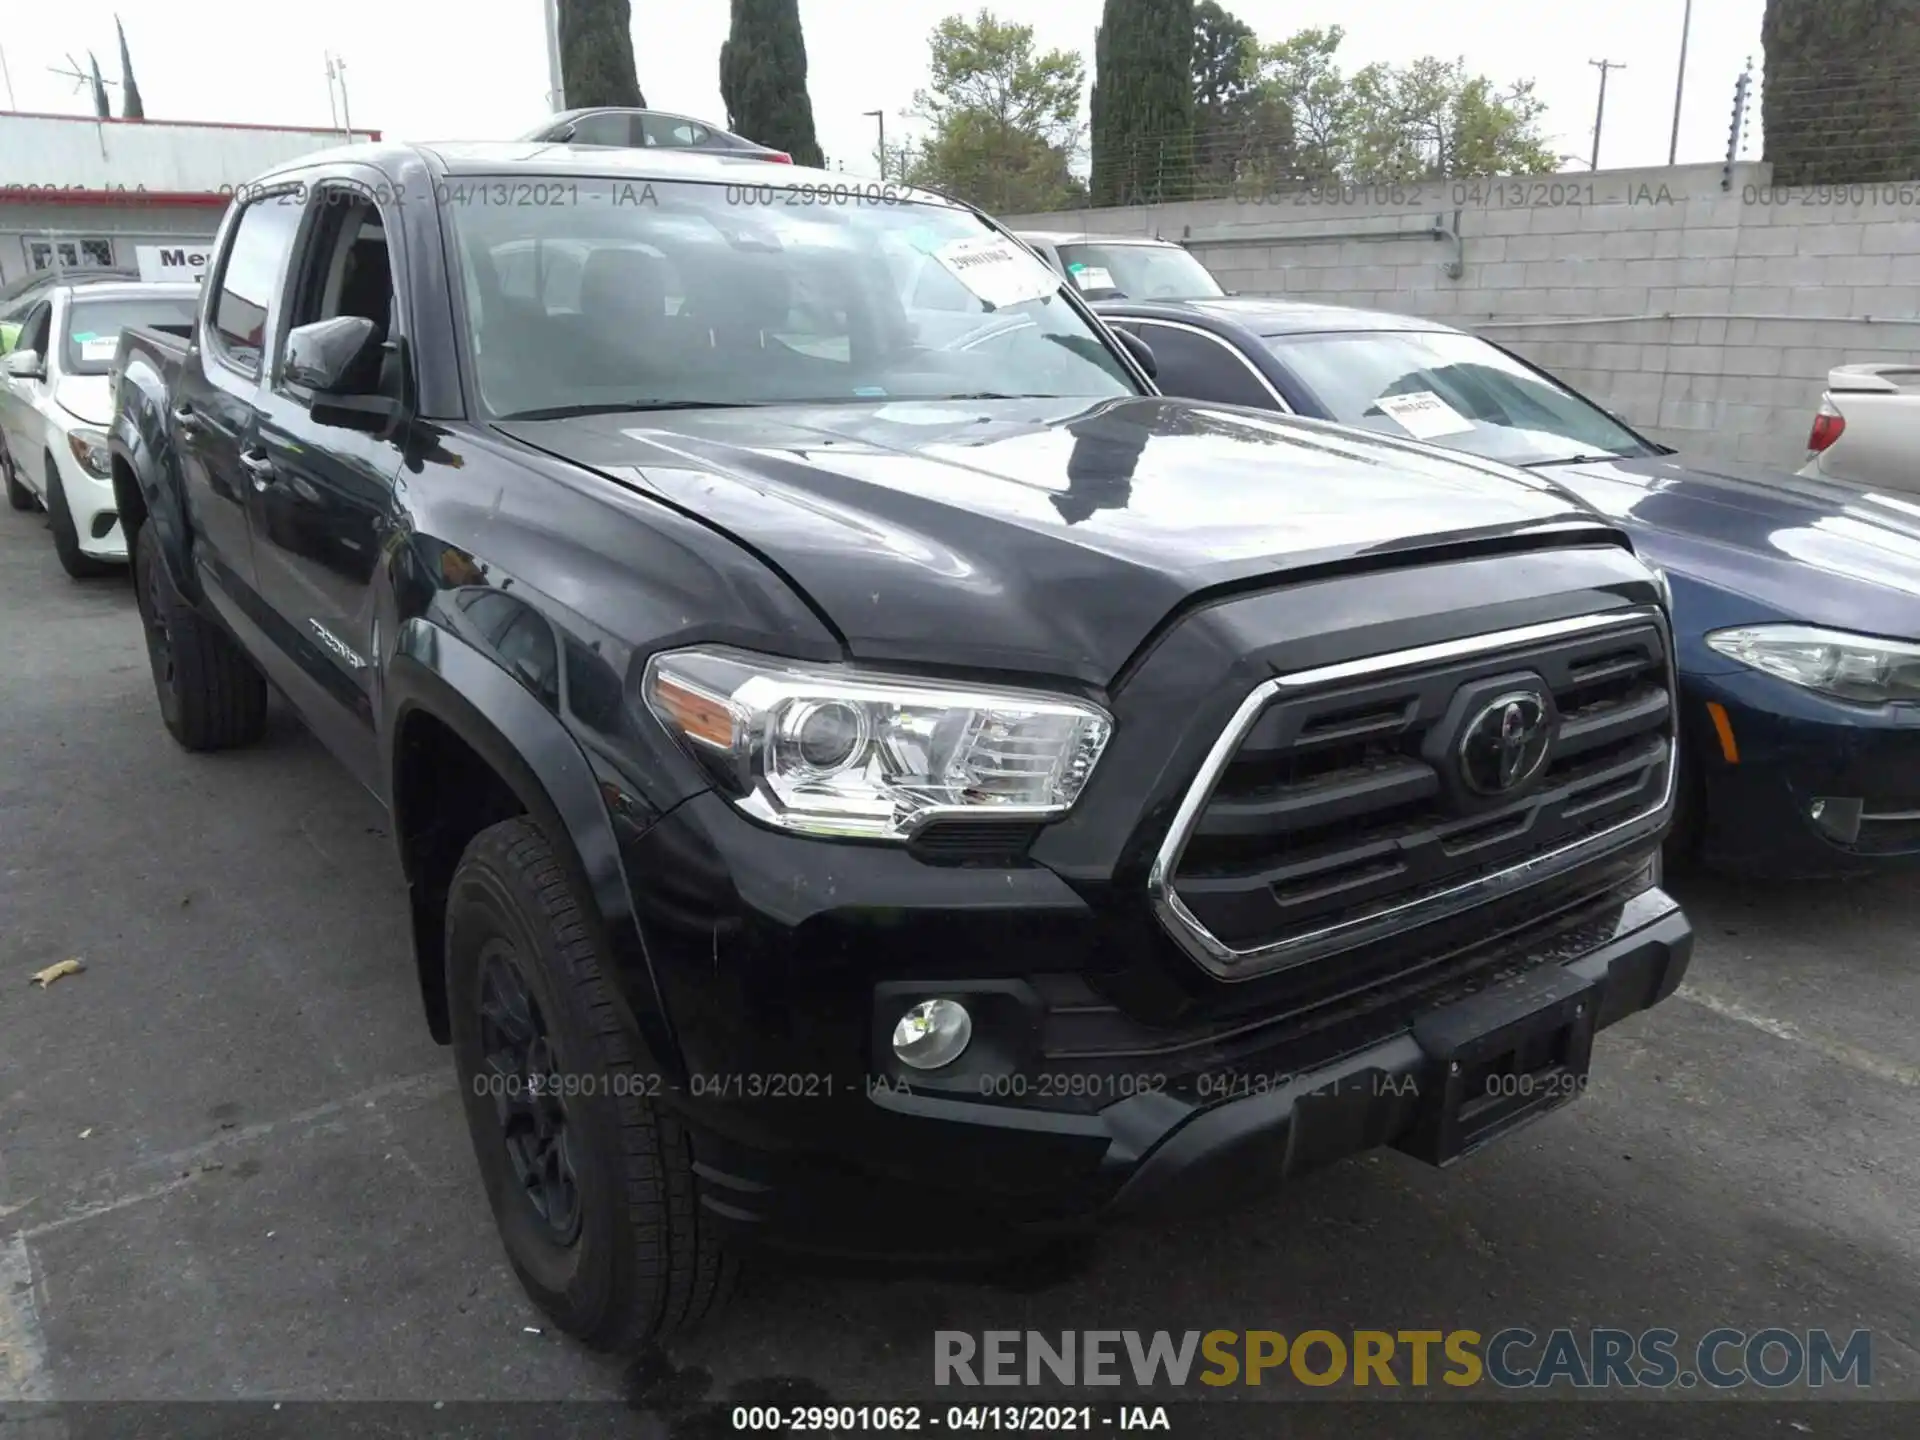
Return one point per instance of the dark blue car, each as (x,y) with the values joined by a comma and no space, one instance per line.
(1796,601)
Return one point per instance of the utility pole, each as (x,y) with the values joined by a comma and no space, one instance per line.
(8,76)
(556,83)
(346,115)
(333,101)
(1679,84)
(1600,111)
(1742,89)
(880,118)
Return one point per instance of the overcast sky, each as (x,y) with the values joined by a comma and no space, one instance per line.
(474,69)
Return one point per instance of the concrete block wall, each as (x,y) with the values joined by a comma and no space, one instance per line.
(1704,307)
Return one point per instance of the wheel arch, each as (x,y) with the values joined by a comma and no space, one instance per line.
(466,746)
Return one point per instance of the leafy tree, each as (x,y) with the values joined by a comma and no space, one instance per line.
(1004,118)
(1841,105)
(100,106)
(131,107)
(763,78)
(596,54)
(1143,102)
(1238,132)
(1430,119)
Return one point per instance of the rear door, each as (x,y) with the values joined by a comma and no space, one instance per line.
(320,498)
(213,398)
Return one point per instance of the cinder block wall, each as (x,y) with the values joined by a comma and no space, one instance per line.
(1705,308)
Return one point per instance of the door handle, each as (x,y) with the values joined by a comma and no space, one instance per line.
(256,464)
(184,417)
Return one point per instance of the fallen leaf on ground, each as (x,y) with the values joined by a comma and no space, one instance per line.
(46,977)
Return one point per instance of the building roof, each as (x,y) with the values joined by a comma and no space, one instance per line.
(87,160)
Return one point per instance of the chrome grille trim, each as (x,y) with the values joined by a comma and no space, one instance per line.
(1225,962)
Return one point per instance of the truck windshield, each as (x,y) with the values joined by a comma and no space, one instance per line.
(94,326)
(1452,390)
(658,294)
(1138,272)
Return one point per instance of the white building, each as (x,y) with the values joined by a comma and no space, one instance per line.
(81,193)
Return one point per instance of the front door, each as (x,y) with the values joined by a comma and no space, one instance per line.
(320,498)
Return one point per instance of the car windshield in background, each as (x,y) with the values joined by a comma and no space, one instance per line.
(1138,272)
(1451,390)
(668,293)
(94,326)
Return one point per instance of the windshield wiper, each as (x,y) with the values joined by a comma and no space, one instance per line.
(616,407)
(1575,460)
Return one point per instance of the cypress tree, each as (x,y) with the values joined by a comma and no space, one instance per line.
(131,107)
(596,54)
(763,78)
(1143,103)
(1841,105)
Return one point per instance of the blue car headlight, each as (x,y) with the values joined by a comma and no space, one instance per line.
(1863,668)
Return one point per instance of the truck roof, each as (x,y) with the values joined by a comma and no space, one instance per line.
(540,158)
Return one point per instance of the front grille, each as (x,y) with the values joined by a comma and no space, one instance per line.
(1348,803)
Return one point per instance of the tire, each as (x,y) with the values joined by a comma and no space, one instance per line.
(211,696)
(18,496)
(601,1224)
(66,540)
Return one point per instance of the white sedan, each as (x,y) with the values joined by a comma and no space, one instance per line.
(56,402)
(1868,428)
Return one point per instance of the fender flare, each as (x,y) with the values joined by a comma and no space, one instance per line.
(436,672)
(138,441)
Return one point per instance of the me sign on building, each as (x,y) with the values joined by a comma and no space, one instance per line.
(173,262)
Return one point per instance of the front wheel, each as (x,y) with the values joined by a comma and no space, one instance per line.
(589,1175)
(66,539)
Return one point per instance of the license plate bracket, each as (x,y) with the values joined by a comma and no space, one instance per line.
(1499,1060)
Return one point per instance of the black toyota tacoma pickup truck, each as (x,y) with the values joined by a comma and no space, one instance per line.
(870,774)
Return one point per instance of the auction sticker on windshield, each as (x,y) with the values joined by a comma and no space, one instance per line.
(997,271)
(1092,277)
(99,347)
(1424,415)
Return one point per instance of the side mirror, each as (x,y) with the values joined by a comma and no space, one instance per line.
(340,360)
(1141,352)
(25,365)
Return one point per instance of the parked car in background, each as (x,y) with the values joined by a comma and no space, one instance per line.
(1868,428)
(862,790)
(1136,267)
(1796,601)
(626,128)
(56,402)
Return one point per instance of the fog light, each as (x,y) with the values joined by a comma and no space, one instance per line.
(1839,819)
(932,1034)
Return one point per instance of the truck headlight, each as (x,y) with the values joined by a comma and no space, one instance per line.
(1863,668)
(832,750)
(90,450)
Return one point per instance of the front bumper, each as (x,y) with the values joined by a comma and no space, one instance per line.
(1795,748)
(783,964)
(95,511)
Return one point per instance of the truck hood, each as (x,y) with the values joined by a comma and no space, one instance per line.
(88,398)
(1047,535)
(1822,551)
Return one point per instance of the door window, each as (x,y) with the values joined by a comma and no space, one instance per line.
(610,128)
(345,269)
(1202,368)
(672,130)
(248,278)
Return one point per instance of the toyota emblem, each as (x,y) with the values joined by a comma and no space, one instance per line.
(1506,744)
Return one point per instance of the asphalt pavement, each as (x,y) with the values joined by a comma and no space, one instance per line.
(233,1164)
